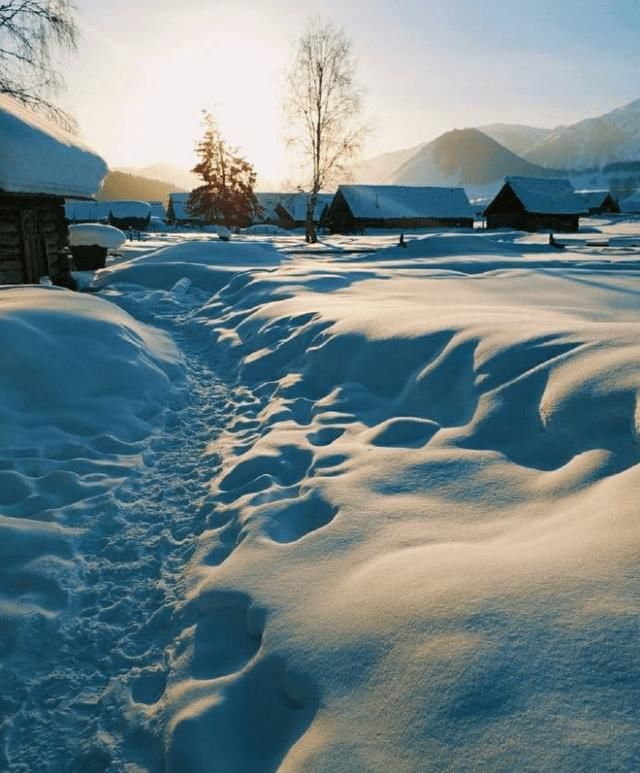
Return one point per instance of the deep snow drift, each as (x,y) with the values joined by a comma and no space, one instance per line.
(413,540)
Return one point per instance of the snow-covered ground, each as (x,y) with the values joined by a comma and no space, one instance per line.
(269,507)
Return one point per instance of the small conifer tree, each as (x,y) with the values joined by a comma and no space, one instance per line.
(226,196)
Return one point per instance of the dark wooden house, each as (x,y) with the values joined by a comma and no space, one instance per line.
(600,202)
(177,213)
(355,208)
(127,215)
(39,166)
(536,204)
(291,210)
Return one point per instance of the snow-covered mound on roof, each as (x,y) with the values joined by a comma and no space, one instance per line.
(423,542)
(38,157)
(208,265)
(82,386)
(124,209)
(400,201)
(96,234)
(547,196)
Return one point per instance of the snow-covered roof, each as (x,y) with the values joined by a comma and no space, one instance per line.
(393,202)
(594,199)
(547,195)
(157,209)
(269,202)
(123,209)
(179,203)
(38,157)
(86,211)
(295,205)
(631,203)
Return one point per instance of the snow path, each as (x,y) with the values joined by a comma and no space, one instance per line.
(68,707)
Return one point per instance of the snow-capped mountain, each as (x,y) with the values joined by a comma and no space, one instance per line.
(454,157)
(593,142)
(465,157)
(517,138)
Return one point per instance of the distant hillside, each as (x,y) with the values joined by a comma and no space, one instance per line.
(465,157)
(380,168)
(594,142)
(517,138)
(120,185)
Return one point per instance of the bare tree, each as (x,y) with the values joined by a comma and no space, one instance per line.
(31,31)
(324,109)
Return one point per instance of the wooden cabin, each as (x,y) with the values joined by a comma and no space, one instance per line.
(127,215)
(291,210)
(81,211)
(177,211)
(40,165)
(268,203)
(536,204)
(355,208)
(599,202)
(631,204)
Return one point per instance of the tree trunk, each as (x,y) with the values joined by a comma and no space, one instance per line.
(310,228)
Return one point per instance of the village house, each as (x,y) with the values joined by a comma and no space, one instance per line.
(40,165)
(357,207)
(291,210)
(79,211)
(631,205)
(535,204)
(268,203)
(177,211)
(599,202)
(127,215)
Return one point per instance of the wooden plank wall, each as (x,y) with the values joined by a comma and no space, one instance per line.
(24,257)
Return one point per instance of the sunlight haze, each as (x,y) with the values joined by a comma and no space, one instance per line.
(145,70)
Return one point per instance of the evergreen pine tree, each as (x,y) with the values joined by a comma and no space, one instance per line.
(226,196)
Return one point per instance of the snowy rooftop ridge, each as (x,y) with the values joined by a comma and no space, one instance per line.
(594,198)
(39,157)
(296,205)
(178,202)
(405,201)
(547,195)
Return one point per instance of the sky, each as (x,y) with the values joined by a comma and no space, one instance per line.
(146,69)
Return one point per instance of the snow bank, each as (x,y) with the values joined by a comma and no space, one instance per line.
(265,229)
(82,385)
(208,265)
(90,234)
(422,544)
(39,157)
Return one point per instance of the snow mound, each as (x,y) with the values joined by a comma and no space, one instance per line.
(424,530)
(82,386)
(39,157)
(209,265)
(264,229)
(96,234)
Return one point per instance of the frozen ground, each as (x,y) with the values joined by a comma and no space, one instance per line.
(327,510)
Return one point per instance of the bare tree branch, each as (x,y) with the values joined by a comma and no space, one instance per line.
(324,108)
(30,32)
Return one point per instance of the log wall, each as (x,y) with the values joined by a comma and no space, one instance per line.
(33,230)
